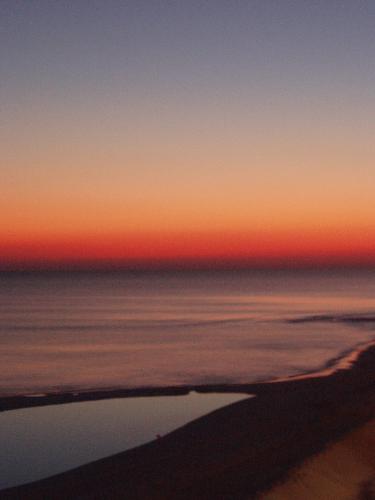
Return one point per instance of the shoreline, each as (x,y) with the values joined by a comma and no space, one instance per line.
(343,361)
(234,452)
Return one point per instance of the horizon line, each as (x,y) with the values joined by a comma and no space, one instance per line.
(198,265)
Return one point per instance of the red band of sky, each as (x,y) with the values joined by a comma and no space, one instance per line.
(190,250)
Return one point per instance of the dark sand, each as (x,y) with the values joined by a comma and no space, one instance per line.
(236,452)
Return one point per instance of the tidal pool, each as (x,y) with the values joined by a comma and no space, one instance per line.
(39,442)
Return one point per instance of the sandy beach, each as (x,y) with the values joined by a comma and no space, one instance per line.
(240,451)
(344,470)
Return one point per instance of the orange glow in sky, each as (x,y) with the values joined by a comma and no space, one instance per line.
(241,134)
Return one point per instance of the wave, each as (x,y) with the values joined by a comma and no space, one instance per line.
(127,325)
(334,318)
(357,318)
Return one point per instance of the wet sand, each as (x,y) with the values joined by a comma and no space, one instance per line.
(236,452)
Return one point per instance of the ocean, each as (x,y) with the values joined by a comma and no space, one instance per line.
(79,331)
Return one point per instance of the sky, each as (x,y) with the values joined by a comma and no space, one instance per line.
(193,132)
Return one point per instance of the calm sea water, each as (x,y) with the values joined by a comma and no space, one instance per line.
(109,330)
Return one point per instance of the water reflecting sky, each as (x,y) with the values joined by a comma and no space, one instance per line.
(39,442)
(61,332)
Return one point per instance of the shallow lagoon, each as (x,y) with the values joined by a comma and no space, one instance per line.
(39,442)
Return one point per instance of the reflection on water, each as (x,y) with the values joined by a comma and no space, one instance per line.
(39,442)
(79,331)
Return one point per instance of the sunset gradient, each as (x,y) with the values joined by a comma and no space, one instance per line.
(187,134)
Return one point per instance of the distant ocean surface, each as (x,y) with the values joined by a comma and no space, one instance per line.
(122,330)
